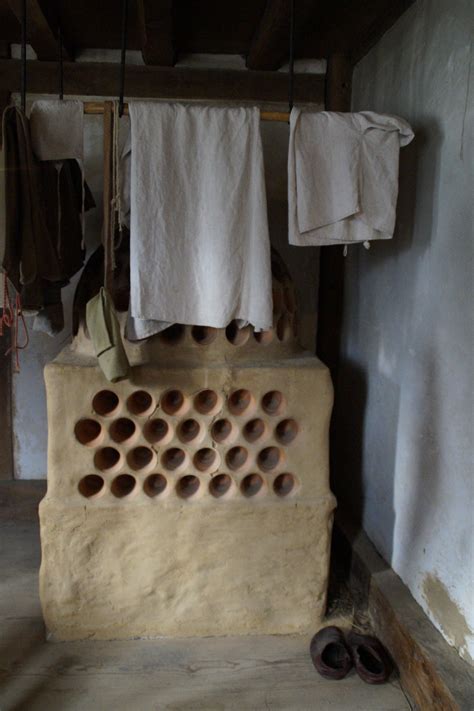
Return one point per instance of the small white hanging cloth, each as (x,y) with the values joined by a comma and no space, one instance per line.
(57,129)
(199,242)
(343,176)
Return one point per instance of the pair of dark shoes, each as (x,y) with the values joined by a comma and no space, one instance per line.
(334,655)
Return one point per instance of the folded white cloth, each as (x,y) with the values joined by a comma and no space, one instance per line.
(199,243)
(57,130)
(343,176)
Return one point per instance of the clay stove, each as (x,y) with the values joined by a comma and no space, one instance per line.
(193,498)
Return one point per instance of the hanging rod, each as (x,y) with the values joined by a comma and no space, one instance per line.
(97,107)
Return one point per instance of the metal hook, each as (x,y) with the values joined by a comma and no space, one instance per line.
(123,55)
(23,56)
(291,75)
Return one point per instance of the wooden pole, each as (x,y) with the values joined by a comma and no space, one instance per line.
(331,285)
(107,237)
(97,108)
(331,269)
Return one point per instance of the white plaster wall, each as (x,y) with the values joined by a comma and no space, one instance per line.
(29,403)
(29,398)
(407,344)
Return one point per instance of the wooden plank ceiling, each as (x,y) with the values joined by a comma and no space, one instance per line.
(165,30)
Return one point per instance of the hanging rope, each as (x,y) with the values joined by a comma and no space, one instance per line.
(116,212)
(123,53)
(7,317)
(23,56)
(60,61)
(12,317)
(291,74)
(16,347)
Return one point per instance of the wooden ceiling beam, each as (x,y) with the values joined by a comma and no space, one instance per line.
(102,79)
(271,44)
(351,28)
(155,24)
(369,35)
(40,33)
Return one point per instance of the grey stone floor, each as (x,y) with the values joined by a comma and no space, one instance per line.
(209,674)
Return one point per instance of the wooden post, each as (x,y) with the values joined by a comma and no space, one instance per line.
(331,270)
(6,424)
(107,237)
(5,96)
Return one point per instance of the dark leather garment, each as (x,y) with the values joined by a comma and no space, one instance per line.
(30,251)
(43,224)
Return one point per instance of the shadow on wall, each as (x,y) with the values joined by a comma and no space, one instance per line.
(355,418)
(426,463)
(367,406)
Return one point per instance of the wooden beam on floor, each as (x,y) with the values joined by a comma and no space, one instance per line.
(102,79)
(41,30)
(270,45)
(155,24)
(431,671)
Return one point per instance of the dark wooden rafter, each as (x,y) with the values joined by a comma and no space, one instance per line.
(373,30)
(41,30)
(101,79)
(350,28)
(270,46)
(155,24)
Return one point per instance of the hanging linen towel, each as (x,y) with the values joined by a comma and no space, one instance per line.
(343,176)
(104,330)
(199,243)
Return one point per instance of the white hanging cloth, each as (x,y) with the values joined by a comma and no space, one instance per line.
(57,129)
(343,176)
(199,242)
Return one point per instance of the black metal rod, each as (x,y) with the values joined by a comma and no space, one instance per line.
(291,73)
(23,56)
(60,62)
(123,53)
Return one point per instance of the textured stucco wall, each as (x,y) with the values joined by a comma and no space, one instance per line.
(407,344)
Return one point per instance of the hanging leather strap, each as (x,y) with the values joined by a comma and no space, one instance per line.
(23,56)
(123,52)
(291,67)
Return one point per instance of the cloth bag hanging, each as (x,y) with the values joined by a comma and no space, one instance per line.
(104,330)
(343,176)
